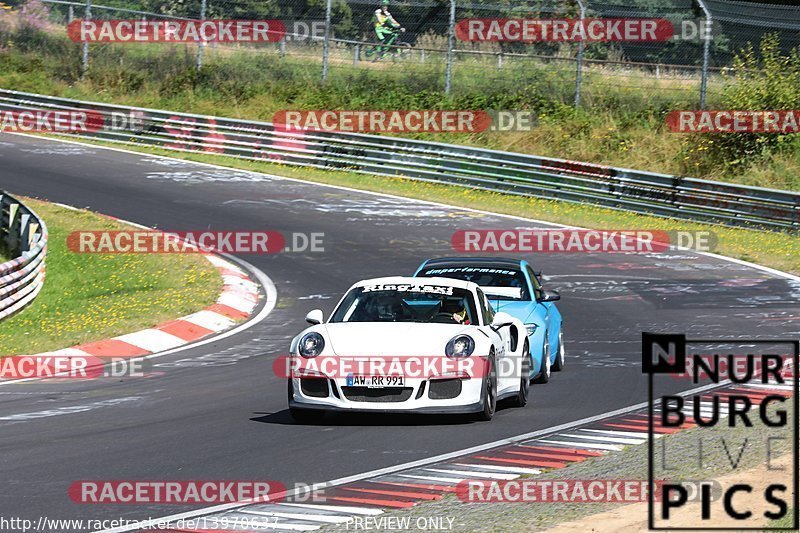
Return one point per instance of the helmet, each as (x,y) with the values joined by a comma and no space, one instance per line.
(385,3)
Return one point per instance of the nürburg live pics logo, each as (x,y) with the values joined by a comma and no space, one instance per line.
(741,410)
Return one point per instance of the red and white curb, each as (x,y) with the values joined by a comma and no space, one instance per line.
(238,300)
(404,486)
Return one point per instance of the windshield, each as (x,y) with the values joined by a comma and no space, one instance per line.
(434,304)
(510,283)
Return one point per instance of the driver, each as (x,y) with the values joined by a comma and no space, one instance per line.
(457,311)
(385,26)
(389,309)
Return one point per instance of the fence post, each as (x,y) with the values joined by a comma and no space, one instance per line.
(85,58)
(70,14)
(706,36)
(579,67)
(201,44)
(451,35)
(326,43)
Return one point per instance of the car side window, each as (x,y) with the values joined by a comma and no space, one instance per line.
(537,287)
(488,313)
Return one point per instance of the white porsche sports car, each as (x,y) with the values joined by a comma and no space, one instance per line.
(404,344)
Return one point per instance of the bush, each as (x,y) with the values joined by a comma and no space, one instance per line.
(767,80)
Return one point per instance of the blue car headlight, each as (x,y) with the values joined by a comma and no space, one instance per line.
(311,344)
(530,328)
(461,346)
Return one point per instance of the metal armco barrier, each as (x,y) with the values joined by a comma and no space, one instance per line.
(505,172)
(24,235)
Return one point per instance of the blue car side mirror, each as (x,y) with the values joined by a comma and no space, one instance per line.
(551,296)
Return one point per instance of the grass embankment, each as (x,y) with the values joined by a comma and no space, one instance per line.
(621,122)
(89,297)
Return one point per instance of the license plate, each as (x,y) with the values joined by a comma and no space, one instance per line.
(375,382)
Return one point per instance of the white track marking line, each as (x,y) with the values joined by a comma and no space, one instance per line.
(611,433)
(337,508)
(587,446)
(516,470)
(152,340)
(209,320)
(467,473)
(607,438)
(58,411)
(453,480)
(238,302)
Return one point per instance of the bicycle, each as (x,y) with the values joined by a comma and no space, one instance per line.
(397,50)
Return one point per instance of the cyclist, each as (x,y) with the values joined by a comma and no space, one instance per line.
(386,28)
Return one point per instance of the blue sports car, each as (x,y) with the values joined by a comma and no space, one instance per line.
(512,286)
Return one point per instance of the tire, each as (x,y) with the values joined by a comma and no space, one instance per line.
(489,392)
(300,415)
(521,399)
(544,374)
(558,366)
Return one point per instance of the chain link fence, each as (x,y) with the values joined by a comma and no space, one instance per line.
(433,40)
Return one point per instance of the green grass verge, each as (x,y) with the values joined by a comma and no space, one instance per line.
(772,249)
(622,121)
(787,522)
(89,297)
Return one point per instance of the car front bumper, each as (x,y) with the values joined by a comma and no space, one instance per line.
(434,396)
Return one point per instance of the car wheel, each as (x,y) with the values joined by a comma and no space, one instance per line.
(544,374)
(521,399)
(489,392)
(300,415)
(559,364)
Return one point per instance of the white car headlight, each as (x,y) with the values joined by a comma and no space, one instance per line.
(530,328)
(311,344)
(461,346)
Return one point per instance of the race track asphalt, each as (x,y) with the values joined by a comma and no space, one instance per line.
(219,412)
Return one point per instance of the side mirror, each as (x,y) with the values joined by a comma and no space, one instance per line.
(315,317)
(551,296)
(501,320)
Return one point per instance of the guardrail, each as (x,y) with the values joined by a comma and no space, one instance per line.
(491,170)
(24,237)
